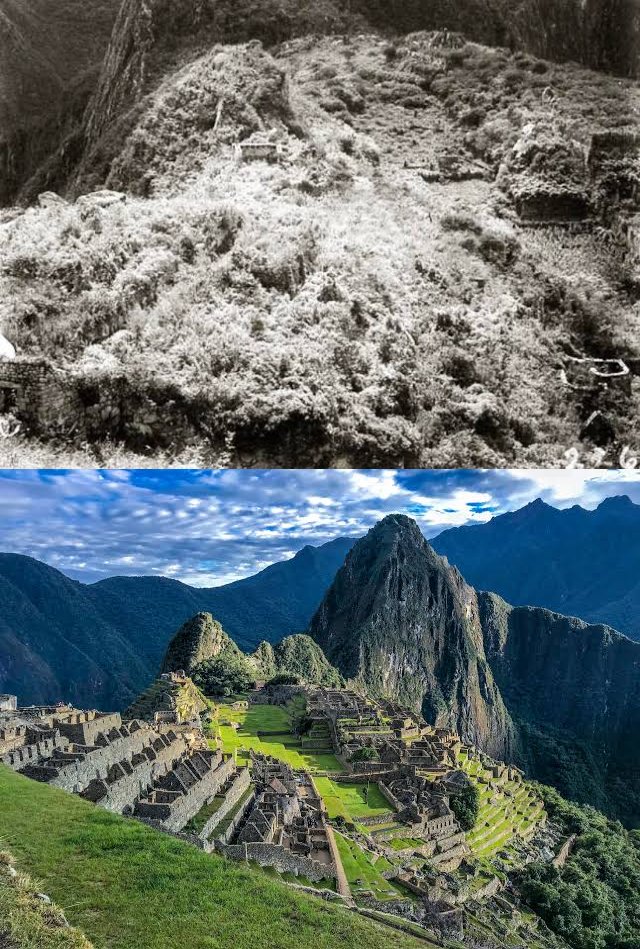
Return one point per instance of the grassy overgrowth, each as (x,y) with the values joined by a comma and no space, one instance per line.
(26,920)
(129,887)
(351,801)
(504,815)
(363,873)
(337,305)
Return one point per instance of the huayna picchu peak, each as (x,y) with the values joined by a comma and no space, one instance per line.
(547,691)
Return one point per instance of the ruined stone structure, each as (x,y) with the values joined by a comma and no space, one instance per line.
(285,825)
(180,794)
(40,396)
(8,703)
(258,150)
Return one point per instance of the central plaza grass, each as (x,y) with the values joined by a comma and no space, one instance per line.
(352,801)
(284,745)
(127,886)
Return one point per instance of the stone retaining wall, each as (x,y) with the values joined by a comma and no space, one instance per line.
(281,859)
(241,783)
(179,812)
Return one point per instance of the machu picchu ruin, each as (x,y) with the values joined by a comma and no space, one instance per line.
(329,789)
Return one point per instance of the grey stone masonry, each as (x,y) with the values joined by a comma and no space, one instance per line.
(39,395)
(72,768)
(8,703)
(182,792)
(238,782)
(133,777)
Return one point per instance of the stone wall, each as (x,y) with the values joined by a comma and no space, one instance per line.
(30,754)
(183,807)
(8,703)
(74,776)
(241,782)
(85,729)
(41,397)
(281,859)
(122,788)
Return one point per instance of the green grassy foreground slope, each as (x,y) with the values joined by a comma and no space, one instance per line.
(129,887)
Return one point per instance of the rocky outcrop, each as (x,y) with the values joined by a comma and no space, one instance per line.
(50,54)
(402,622)
(199,639)
(296,655)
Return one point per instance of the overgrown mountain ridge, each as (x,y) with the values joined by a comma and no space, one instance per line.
(202,650)
(349,302)
(549,691)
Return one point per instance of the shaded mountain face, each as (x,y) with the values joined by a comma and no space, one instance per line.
(574,691)
(548,691)
(50,57)
(403,623)
(101,644)
(199,639)
(581,563)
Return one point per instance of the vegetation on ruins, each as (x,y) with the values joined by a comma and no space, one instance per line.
(366,754)
(593,901)
(245,311)
(466,806)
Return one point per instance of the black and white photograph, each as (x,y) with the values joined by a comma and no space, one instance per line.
(297,233)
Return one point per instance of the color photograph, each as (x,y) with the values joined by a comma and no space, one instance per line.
(320,707)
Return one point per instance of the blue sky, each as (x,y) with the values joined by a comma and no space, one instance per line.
(211,527)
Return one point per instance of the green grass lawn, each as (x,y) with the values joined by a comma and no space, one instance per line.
(286,746)
(352,801)
(359,867)
(130,887)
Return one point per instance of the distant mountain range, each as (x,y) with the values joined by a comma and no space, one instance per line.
(100,644)
(560,697)
(578,562)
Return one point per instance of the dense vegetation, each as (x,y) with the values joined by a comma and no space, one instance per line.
(253,312)
(466,806)
(224,676)
(593,902)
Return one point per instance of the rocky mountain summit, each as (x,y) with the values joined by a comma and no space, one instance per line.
(404,624)
(198,640)
(551,692)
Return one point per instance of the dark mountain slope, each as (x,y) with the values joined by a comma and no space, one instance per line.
(101,644)
(551,692)
(54,642)
(402,622)
(578,562)
(275,602)
(574,689)
(50,54)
